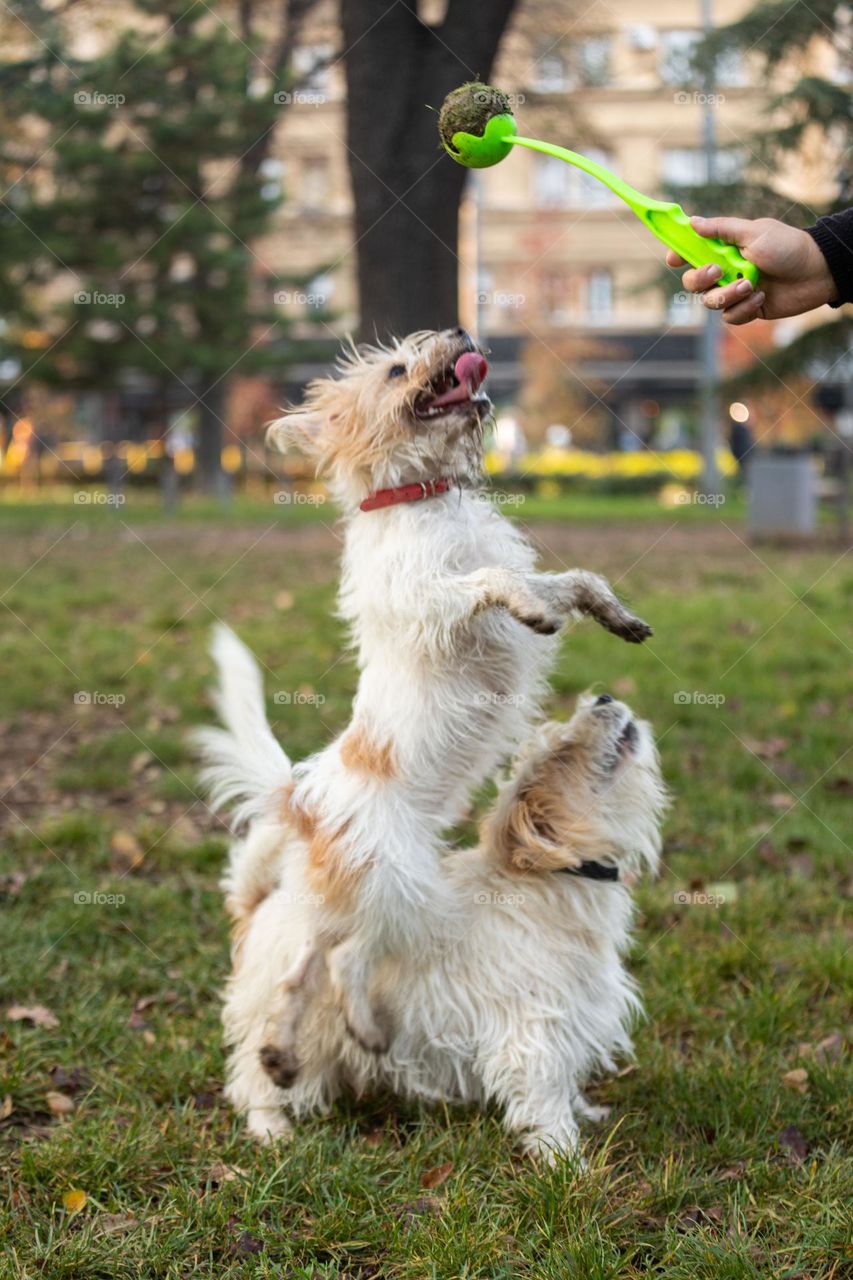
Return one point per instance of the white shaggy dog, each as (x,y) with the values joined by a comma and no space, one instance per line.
(455,634)
(520,993)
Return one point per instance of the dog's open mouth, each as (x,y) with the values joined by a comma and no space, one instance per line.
(456,386)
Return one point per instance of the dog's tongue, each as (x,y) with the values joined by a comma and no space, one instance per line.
(470,370)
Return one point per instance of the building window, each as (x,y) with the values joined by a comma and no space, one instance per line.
(683,166)
(550,182)
(319,291)
(676,53)
(593,60)
(557,185)
(583,64)
(688,166)
(571,298)
(314,185)
(599,296)
(555,297)
(731,69)
(311,65)
(681,310)
(550,70)
(271,172)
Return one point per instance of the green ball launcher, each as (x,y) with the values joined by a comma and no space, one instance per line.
(489,133)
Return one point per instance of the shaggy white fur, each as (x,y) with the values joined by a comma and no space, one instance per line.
(455,634)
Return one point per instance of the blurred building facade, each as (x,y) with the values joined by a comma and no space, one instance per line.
(548,253)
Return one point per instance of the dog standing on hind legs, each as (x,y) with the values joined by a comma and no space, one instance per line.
(455,633)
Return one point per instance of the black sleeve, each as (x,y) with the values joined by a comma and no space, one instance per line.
(833,235)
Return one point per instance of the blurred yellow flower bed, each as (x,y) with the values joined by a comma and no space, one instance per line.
(679,464)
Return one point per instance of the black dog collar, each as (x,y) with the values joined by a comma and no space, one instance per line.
(592,871)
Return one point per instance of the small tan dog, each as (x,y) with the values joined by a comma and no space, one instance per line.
(455,633)
(521,993)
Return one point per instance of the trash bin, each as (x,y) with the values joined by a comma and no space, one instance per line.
(782,494)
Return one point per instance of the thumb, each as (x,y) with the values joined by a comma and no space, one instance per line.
(735,231)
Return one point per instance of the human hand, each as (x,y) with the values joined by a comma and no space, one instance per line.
(794,274)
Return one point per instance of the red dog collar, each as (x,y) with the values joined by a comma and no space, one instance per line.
(406,493)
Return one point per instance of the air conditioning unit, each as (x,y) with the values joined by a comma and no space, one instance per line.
(642,36)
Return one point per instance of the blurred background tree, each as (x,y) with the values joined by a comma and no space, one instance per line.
(554,395)
(159,188)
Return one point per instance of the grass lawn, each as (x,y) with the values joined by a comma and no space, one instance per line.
(724,1153)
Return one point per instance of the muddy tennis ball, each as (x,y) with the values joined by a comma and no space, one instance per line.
(474,123)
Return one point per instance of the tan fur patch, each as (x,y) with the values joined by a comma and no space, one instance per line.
(547,822)
(241,911)
(361,752)
(330,873)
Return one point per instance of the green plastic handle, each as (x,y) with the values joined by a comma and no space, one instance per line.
(666,220)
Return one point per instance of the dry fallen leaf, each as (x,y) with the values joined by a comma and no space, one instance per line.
(782,800)
(733,1173)
(162,997)
(37,1014)
(283,600)
(113,1223)
(59,1103)
(434,1177)
(140,762)
(74,1200)
(794,1143)
(126,850)
(12,883)
(7,1107)
(828,1048)
(70,1080)
(247,1244)
(219,1173)
(424,1204)
(797,1079)
(768,749)
(696,1216)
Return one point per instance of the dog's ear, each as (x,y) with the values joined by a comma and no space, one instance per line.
(299,429)
(538,828)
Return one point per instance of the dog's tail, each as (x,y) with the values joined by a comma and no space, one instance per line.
(244,767)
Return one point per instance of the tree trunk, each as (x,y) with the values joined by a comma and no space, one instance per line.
(406,190)
(211,411)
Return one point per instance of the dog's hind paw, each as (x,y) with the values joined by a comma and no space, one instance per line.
(372,1030)
(281,1064)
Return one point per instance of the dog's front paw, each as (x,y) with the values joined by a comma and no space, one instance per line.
(546,1148)
(268,1124)
(281,1064)
(628,627)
